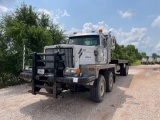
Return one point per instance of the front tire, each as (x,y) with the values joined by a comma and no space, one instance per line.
(98,89)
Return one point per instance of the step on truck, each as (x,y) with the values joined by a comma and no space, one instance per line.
(83,64)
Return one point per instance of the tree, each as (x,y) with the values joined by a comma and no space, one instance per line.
(24,27)
(154,55)
(143,55)
(128,52)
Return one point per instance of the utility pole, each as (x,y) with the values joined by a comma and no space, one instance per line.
(24,50)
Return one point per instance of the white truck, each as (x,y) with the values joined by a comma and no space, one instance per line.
(150,60)
(84,64)
(144,61)
(158,60)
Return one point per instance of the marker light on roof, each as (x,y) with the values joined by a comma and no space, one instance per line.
(74,32)
(100,31)
(113,40)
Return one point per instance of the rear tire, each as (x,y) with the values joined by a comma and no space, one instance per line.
(109,77)
(98,89)
(125,71)
(121,70)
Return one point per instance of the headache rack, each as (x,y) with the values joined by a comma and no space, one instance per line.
(39,80)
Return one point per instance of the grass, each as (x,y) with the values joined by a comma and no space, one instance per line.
(11,82)
(137,62)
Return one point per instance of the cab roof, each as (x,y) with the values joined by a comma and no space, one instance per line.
(83,34)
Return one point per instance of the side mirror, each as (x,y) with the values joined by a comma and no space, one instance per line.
(113,43)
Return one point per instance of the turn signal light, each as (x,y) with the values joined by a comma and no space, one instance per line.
(78,71)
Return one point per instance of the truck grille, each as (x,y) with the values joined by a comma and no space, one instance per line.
(68,57)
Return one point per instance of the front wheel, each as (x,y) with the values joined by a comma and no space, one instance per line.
(98,89)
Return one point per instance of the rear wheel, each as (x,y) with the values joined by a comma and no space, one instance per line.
(121,70)
(125,70)
(98,89)
(109,77)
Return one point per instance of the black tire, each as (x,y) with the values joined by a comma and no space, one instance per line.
(125,70)
(50,91)
(121,70)
(98,89)
(109,77)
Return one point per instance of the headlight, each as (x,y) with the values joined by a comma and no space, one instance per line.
(68,71)
(73,70)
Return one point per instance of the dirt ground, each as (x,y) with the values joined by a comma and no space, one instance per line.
(135,97)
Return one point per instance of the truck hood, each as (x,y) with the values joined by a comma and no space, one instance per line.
(59,45)
(68,46)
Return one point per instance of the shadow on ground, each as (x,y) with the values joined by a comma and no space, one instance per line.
(78,106)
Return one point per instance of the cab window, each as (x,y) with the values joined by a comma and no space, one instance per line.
(85,40)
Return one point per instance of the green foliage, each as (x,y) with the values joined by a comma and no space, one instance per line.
(130,53)
(154,55)
(137,62)
(127,53)
(143,55)
(24,27)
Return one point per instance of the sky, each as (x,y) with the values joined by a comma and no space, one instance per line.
(135,22)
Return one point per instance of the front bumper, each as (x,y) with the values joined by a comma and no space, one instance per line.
(27,75)
(79,80)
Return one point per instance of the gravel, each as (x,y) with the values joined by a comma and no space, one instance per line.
(134,97)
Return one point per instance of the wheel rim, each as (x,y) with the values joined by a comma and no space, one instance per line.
(101,88)
(111,81)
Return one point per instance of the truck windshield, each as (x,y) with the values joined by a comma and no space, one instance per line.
(85,40)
